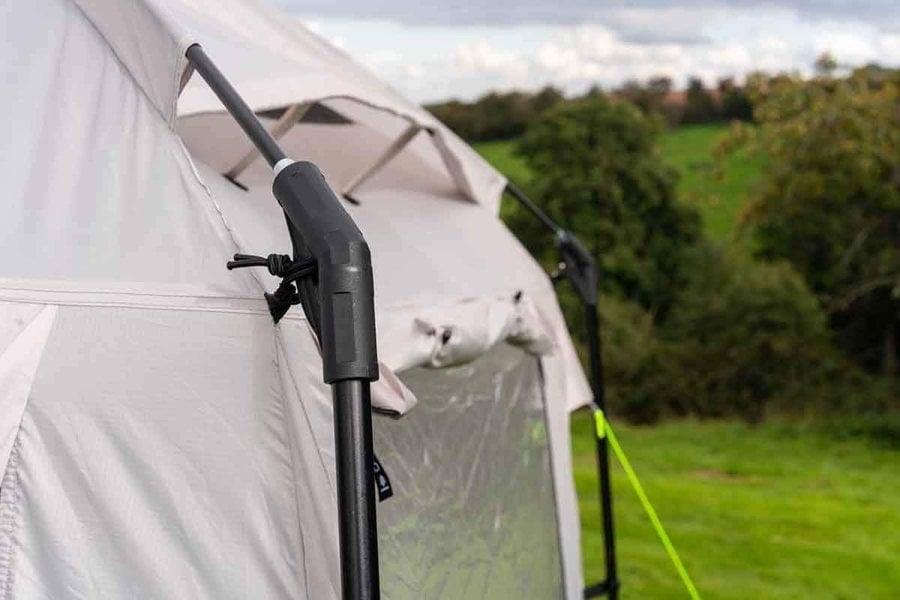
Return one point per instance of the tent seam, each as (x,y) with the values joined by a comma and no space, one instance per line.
(170,123)
(137,306)
(215,205)
(501,296)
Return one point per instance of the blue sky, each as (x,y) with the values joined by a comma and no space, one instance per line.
(433,50)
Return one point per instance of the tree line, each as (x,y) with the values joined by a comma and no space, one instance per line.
(803,316)
(500,116)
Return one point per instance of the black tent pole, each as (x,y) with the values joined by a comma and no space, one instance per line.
(340,307)
(580,268)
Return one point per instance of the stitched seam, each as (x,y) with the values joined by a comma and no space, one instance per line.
(256,277)
(139,306)
(170,123)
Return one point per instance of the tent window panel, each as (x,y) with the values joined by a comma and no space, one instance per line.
(473,513)
(317,113)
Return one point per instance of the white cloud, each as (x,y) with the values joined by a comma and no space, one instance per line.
(437,62)
(648,20)
(504,67)
(482,56)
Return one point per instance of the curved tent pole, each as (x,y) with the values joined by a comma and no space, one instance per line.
(339,305)
(580,268)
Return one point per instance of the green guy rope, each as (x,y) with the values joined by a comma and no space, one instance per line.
(604,430)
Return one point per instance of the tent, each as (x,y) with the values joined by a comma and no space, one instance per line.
(160,436)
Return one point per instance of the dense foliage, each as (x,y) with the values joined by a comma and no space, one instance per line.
(597,172)
(691,327)
(499,116)
(496,115)
(830,199)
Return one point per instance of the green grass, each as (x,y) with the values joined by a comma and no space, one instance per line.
(772,512)
(718,196)
(502,156)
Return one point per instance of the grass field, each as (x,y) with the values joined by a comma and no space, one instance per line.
(769,512)
(719,196)
(778,511)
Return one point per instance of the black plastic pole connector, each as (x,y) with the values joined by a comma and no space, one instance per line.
(580,268)
(346,290)
(338,299)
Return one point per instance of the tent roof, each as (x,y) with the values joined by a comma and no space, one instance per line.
(242,35)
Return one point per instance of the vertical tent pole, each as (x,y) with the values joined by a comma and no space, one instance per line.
(580,269)
(341,308)
(610,585)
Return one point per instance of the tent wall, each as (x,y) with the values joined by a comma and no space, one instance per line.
(150,466)
(96,186)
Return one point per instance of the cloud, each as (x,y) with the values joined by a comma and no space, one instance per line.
(587,43)
(651,20)
(574,58)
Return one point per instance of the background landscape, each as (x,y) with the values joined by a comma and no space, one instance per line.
(735,168)
(749,239)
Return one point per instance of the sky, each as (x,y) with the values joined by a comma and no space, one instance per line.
(435,50)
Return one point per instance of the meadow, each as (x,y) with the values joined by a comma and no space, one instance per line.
(778,510)
(773,511)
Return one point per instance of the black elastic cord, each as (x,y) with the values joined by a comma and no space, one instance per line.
(279,265)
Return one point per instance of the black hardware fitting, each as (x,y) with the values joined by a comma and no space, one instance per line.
(279,265)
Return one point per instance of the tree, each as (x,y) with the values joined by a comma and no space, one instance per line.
(736,105)
(597,171)
(830,200)
(699,104)
(546,98)
(652,98)
(593,92)
(825,64)
(495,116)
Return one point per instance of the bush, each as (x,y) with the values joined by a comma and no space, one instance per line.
(742,333)
(630,347)
(742,336)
